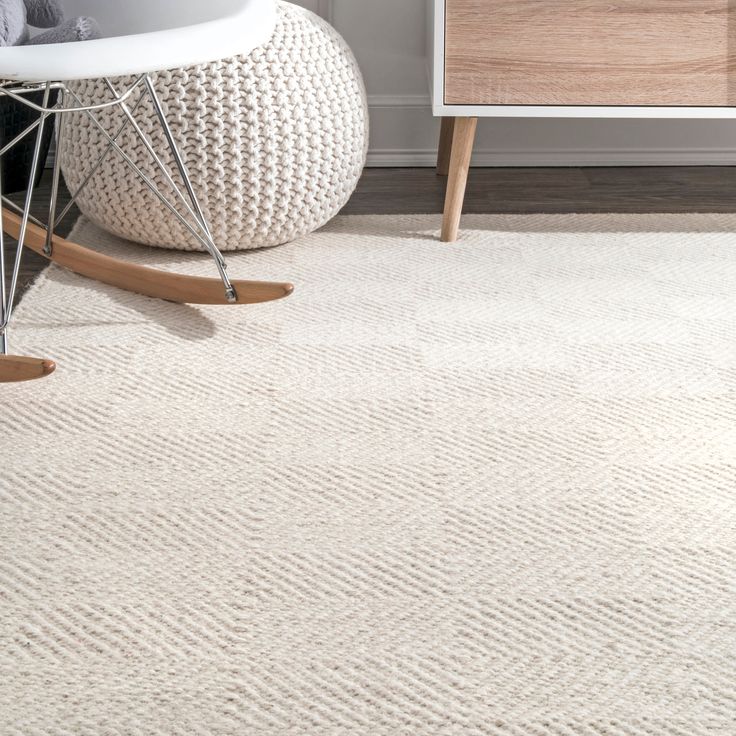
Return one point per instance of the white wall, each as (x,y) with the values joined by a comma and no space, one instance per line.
(388,38)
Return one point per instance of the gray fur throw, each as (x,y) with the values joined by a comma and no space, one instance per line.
(17,15)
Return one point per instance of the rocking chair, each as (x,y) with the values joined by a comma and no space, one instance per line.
(156,35)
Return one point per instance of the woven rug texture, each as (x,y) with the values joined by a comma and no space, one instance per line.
(479,489)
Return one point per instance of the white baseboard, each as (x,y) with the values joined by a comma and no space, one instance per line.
(378,158)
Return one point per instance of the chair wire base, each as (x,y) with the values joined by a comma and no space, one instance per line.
(184,206)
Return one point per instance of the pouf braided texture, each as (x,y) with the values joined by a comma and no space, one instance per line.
(274,142)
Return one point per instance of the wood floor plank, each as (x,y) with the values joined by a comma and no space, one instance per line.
(553,190)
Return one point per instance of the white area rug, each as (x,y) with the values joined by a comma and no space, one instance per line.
(484,488)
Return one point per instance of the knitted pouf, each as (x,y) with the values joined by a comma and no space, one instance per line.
(274,142)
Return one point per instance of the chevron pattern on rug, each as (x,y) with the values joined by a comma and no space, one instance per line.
(476,489)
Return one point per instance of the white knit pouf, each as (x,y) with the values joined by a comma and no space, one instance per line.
(275,142)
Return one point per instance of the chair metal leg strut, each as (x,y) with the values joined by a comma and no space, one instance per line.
(14,368)
(20,224)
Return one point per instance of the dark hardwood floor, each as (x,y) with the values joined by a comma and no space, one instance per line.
(497,190)
(526,190)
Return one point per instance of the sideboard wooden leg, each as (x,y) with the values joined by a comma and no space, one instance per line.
(445,147)
(462,149)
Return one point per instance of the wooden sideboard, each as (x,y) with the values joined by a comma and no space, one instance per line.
(573,58)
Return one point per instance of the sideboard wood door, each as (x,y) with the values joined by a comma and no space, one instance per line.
(591,52)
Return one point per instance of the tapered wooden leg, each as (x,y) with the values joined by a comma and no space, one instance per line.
(462,149)
(445,147)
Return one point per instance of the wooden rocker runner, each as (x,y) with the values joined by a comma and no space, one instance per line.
(240,27)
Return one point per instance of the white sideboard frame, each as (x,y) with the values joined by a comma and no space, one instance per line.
(436,68)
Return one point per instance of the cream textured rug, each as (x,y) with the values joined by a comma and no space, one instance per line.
(483,488)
